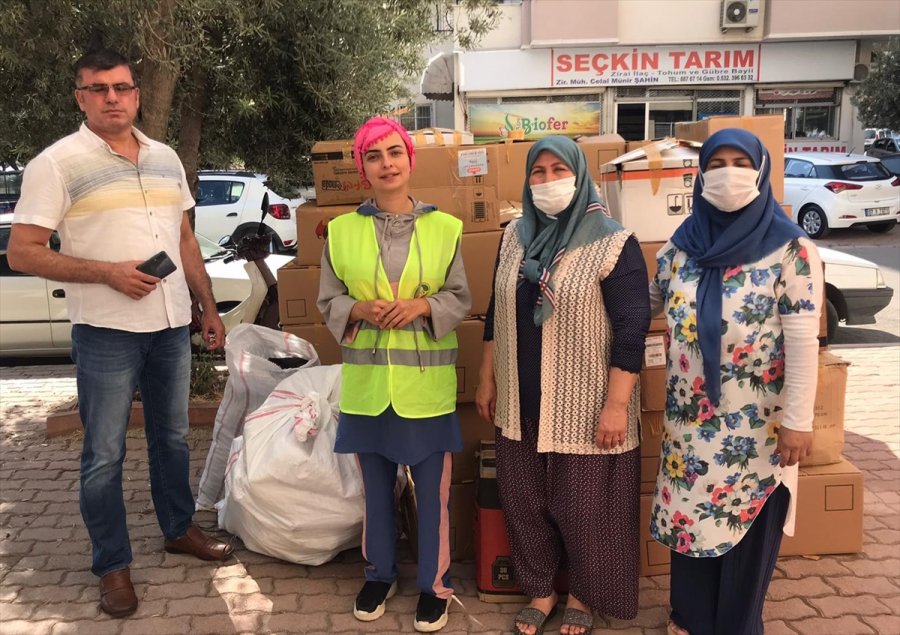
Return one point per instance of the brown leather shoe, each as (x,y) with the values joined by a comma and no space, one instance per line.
(117,593)
(198,544)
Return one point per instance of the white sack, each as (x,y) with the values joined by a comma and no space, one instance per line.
(251,377)
(287,494)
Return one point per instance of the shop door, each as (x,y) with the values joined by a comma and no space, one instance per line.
(631,121)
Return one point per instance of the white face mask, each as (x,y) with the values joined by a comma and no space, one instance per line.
(555,196)
(730,189)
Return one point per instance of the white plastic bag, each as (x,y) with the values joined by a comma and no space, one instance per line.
(251,377)
(287,493)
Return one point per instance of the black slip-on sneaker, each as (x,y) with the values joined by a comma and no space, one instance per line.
(431,613)
(371,599)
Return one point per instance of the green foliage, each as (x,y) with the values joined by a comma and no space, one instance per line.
(878,98)
(275,75)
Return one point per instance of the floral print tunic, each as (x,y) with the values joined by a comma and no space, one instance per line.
(719,463)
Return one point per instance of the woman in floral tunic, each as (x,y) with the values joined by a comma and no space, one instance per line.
(740,288)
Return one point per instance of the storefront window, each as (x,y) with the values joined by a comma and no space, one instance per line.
(809,113)
(417,117)
(651,113)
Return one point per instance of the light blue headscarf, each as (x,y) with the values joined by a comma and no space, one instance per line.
(546,238)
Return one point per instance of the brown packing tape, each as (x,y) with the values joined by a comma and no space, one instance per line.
(654,165)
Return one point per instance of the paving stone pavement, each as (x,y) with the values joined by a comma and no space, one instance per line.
(46,587)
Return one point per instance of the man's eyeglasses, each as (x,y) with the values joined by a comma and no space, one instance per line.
(103,89)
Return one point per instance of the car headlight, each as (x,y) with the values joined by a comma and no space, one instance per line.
(879,279)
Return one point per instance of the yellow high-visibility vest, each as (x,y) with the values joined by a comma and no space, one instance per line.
(406,368)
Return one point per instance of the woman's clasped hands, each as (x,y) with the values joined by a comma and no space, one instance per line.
(390,314)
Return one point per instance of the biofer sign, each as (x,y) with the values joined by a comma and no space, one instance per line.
(712,64)
(496,122)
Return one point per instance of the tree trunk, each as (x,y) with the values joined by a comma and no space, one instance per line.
(192,109)
(160,71)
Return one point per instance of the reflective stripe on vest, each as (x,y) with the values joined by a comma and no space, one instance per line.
(406,367)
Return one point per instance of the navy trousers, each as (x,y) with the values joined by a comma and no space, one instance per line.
(432,479)
(725,595)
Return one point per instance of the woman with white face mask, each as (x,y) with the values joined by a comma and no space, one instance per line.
(564,342)
(740,287)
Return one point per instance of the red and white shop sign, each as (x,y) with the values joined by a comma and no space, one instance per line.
(710,64)
(816,145)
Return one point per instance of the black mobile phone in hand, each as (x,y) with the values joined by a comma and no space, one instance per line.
(159,265)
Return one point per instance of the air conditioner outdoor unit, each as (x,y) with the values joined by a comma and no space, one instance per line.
(740,14)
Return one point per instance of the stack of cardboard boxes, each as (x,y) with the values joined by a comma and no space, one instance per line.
(648,186)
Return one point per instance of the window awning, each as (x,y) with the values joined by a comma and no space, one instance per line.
(439,78)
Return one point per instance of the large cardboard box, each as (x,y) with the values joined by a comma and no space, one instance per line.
(334,173)
(829,511)
(469,335)
(298,290)
(441,166)
(599,151)
(652,426)
(512,159)
(650,190)
(655,558)
(337,180)
(477,206)
(320,337)
(769,128)
(649,250)
(479,253)
(312,229)
(441,137)
(828,421)
(653,389)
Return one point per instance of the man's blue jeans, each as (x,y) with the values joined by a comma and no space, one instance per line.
(109,364)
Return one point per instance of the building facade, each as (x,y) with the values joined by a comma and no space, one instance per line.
(637,67)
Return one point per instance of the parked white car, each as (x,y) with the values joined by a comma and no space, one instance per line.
(830,190)
(854,289)
(33,317)
(229,203)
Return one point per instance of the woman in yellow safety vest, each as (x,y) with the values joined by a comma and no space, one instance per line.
(392,290)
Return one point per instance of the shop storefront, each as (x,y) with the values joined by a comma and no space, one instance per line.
(641,92)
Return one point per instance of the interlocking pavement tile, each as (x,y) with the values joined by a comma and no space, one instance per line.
(788,610)
(156,626)
(836,606)
(884,624)
(808,587)
(346,623)
(875,585)
(803,567)
(844,625)
(94,627)
(26,627)
(302,622)
(197,606)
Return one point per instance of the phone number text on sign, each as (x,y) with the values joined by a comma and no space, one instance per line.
(656,65)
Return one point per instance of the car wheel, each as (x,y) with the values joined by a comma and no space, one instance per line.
(814,222)
(832,318)
(880,228)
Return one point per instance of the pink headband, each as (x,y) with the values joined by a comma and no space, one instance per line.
(373,131)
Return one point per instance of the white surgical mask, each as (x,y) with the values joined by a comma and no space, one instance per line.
(730,189)
(555,196)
